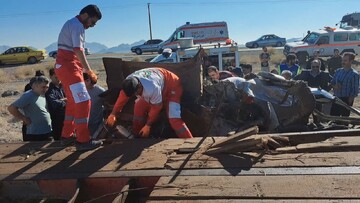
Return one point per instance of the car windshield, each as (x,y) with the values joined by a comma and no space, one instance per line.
(311,38)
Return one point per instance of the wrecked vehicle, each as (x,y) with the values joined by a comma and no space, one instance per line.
(270,102)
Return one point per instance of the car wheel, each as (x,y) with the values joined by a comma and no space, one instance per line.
(278,44)
(138,51)
(255,45)
(32,60)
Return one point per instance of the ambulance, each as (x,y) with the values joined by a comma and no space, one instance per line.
(202,33)
(326,40)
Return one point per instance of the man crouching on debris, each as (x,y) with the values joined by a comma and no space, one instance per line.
(155,88)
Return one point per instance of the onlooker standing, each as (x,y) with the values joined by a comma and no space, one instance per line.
(35,114)
(37,73)
(247,71)
(27,88)
(316,78)
(97,109)
(334,62)
(56,100)
(264,60)
(316,55)
(237,72)
(290,65)
(70,64)
(346,85)
(216,75)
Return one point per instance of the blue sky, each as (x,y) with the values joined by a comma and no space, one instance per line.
(37,23)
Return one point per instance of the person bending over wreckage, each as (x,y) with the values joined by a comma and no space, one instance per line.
(154,88)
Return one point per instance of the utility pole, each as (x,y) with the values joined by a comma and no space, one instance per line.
(149,20)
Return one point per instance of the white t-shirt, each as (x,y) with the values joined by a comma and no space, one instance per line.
(72,35)
(152,81)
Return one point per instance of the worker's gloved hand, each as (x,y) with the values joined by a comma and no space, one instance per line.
(110,121)
(145,131)
(93,76)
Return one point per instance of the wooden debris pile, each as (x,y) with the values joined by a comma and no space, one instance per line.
(250,141)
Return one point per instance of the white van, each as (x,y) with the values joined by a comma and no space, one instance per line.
(202,33)
(326,40)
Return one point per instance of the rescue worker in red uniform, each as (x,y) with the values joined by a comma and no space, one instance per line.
(70,64)
(155,88)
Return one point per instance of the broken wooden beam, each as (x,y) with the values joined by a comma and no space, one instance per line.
(237,136)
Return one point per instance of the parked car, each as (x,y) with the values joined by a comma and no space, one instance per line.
(148,46)
(22,55)
(267,40)
(54,53)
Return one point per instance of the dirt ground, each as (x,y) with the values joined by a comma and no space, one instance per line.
(12,79)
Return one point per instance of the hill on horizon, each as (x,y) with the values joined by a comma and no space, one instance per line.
(94,47)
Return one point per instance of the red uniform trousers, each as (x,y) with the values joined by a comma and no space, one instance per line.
(171,96)
(69,71)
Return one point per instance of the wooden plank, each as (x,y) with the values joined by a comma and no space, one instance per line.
(316,136)
(255,160)
(227,200)
(257,187)
(237,136)
(329,145)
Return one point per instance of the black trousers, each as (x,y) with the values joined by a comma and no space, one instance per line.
(337,110)
(38,137)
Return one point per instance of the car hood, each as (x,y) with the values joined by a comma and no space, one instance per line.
(296,44)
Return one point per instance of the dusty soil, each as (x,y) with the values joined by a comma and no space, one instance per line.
(12,79)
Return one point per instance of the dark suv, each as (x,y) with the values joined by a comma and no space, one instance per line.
(148,46)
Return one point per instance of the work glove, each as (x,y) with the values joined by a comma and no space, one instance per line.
(93,76)
(145,131)
(110,121)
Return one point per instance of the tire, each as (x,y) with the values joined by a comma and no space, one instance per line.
(32,60)
(255,45)
(138,51)
(278,44)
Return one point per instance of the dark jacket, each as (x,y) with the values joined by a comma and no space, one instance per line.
(56,106)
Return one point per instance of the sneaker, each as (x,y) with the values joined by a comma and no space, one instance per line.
(67,141)
(92,144)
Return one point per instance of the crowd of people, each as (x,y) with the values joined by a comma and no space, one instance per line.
(67,106)
(337,74)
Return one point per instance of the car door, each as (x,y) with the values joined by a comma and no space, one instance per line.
(8,56)
(273,40)
(147,46)
(152,45)
(20,55)
(262,41)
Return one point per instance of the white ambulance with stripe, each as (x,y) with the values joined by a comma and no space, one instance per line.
(326,40)
(202,33)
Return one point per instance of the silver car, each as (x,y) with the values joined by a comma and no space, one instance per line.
(267,40)
(148,46)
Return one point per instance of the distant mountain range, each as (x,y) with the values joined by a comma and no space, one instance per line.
(94,47)
(98,48)
(102,49)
